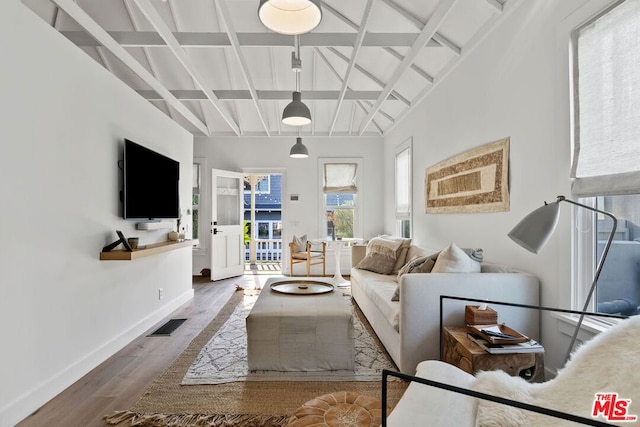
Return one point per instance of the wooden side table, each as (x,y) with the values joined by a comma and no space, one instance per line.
(460,351)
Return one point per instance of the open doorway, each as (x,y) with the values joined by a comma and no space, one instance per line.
(263,222)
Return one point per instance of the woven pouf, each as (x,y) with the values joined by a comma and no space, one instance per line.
(340,409)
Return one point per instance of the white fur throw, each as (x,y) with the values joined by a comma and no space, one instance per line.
(609,363)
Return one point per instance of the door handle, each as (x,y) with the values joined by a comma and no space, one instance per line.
(215,231)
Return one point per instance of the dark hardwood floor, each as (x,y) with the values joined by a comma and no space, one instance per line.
(118,382)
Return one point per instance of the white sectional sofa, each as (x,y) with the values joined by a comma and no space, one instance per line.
(410,328)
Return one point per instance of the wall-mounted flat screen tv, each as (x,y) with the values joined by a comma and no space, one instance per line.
(150,184)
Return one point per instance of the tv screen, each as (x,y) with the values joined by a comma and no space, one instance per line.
(150,184)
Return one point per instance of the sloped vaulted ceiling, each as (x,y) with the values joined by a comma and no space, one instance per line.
(216,70)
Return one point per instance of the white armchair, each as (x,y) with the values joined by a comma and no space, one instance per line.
(606,364)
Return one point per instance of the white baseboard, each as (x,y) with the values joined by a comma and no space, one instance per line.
(24,405)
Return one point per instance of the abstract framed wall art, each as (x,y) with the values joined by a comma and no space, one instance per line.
(471,182)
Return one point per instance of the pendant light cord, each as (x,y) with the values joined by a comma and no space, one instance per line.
(296,43)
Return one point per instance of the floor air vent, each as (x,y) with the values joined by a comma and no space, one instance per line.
(168,328)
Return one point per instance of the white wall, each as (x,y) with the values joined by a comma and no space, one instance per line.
(300,176)
(63,119)
(515,84)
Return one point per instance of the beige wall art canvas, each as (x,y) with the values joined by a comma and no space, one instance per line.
(474,181)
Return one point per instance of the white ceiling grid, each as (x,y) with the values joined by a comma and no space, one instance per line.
(216,70)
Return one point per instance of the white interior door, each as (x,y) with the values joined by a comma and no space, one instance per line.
(227,240)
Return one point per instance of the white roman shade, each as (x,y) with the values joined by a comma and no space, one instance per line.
(403,172)
(340,178)
(606,157)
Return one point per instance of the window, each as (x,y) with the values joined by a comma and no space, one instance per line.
(195,203)
(606,161)
(340,218)
(403,178)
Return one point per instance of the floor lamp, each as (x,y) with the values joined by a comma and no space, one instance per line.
(533,232)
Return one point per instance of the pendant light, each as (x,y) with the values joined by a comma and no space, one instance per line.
(290,17)
(299,150)
(296,113)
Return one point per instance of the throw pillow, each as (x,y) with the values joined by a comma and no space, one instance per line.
(455,260)
(385,246)
(416,265)
(377,263)
(401,259)
(413,263)
(299,244)
(475,254)
(382,255)
(425,267)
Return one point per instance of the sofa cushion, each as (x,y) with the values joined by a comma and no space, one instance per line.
(379,289)
(455,260)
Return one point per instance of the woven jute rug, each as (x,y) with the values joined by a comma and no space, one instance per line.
(240,404)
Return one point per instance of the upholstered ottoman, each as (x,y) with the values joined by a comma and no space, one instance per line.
(307,332)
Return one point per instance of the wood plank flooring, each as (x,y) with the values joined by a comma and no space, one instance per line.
(118,383)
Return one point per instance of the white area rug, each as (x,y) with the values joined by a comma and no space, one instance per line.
(224,358)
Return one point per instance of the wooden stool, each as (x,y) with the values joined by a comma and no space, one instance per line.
(340,409)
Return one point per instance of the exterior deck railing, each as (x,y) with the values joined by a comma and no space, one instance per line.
(269,250)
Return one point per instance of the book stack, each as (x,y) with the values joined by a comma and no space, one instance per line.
(500,339)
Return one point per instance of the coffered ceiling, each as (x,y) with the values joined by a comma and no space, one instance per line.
(214,68)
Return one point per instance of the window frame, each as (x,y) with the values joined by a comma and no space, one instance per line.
(584,241)
(202,166)
(404,216)
(358,226)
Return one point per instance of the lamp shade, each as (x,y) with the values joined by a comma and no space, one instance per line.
(296,113)
(299,151)
(290,17)
(533,232)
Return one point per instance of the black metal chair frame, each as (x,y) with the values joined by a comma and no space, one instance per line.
(526,406)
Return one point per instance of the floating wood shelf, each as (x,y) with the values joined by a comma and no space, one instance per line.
(151,249)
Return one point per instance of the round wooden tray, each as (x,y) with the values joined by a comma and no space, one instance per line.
(302,287)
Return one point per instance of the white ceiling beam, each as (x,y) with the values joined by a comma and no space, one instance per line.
(204,111)
(370,76)
(339,78)
(352,62)
(414,67)
(206,40)
(314,76)
(351,119)
(437,18)
(265,95)
(442,40)
(294,134)
(145,51)
(382,113)
(231,32)
(274,80)
(161,27)
(96,31)
(499,7)
(478,38)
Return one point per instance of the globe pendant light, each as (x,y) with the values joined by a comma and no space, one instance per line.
(296,113)
(290,17)
(299,151)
